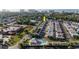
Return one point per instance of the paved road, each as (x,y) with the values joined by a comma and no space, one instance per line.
(17,45)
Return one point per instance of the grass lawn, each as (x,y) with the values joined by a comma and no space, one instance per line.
(14,40)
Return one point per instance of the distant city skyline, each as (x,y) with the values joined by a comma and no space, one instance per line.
(55,10)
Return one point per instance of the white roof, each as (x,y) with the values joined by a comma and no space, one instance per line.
(78,30)
(10,29)
(1,36)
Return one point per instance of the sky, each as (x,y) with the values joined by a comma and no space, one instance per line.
(39,4)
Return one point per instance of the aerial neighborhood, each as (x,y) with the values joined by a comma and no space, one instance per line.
(39,29)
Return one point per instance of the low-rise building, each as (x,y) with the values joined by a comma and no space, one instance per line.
(72,28)
(38,42)
(11,30)
(50,28)
(58,31)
